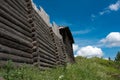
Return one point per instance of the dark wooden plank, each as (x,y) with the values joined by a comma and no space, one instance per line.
(13,51)
(13,31)
(16,7)
(45,52)
(13,37)
(42,64)
(47,57)
(14,20)
(14,26)
(15,45)
(14,58)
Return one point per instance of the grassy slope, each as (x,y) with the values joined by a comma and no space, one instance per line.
(83,69)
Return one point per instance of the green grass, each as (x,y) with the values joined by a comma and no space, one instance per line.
(83,69)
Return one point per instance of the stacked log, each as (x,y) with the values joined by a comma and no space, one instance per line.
(45,56)
(15,32)
(68,41)
(56,49)
(60,50)
(25,37)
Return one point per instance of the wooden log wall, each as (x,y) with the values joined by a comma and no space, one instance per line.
(45,52)
(69,50)
(26,38)
(60,50)
(15,32)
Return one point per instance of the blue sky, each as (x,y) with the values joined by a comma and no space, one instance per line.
(95,24)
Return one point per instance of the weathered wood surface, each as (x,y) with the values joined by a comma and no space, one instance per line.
(15,32)
(14,26)
(14,51)
(14,20)
(14,58)
(26,38)
(13,37)
(12,30)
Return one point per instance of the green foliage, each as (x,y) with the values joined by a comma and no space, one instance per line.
(83,69)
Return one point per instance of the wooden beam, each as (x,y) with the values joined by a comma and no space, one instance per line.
(14,58)
(13,51)
(4,33)
(15,45)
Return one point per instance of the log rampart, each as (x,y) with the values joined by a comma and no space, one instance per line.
(25,37)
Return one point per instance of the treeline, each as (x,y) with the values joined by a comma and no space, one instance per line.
(117,58)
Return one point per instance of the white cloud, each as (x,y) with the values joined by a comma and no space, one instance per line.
(81,32)
(85,31)
(89,51)
(112,39)
(111,7)
(75,47)
(75,55)
(93,17)
(115,7)
(104,12)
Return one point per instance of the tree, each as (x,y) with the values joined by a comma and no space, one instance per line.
(109,59)
(117,58)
